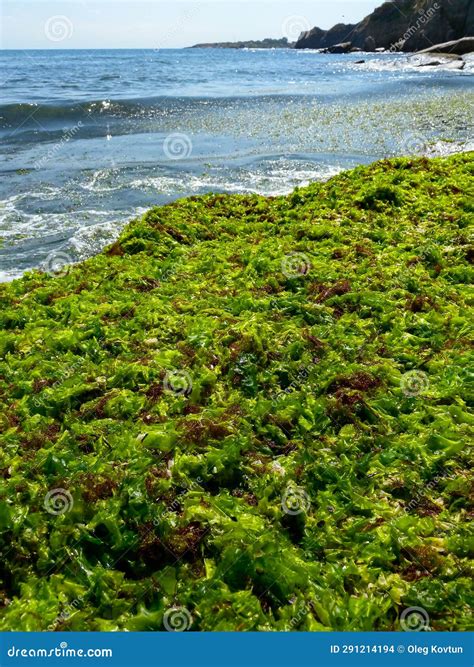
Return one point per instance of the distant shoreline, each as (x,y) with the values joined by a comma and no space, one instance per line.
(250,44)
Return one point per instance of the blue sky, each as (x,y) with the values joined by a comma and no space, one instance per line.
(164,24)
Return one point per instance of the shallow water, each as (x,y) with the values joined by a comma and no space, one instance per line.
(91,139)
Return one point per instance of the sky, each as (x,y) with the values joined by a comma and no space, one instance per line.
(87,24)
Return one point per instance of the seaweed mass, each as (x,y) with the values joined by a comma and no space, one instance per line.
(248,413)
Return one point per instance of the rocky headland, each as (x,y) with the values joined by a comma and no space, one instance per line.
(401,25)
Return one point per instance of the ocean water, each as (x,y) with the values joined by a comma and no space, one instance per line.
(91,139)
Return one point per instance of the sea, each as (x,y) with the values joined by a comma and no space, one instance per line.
(91,139)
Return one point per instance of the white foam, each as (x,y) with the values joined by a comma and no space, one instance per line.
(8,276)
(414,63)
(278,180)
(91,239)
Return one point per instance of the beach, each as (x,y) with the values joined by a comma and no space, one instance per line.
(235,342)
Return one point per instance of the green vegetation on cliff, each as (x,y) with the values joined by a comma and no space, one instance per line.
(248,413)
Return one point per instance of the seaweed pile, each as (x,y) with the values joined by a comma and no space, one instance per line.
(248,413)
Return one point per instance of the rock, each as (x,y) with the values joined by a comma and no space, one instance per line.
(447,57)
(457,64)
(343,47)
(402,25)
(449,61)
(431,63)
(355,49)
(459,47)
(321,39)
(425,61)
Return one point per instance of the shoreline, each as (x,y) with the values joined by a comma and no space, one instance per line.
(70,184)
(5,278)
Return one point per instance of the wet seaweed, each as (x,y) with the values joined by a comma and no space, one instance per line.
(253,409)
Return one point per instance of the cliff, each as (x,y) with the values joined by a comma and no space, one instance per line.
(401,25)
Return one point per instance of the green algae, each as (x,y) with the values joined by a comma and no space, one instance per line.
(253,409)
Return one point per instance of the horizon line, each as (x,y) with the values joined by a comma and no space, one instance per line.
(137,48)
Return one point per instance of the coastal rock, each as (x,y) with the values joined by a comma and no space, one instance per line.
(401,25)
(430,63)
(447,61)
(459,47)
(437,60)
(343,47)
(322,39)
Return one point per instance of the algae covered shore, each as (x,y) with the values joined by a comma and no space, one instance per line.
(248,413)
